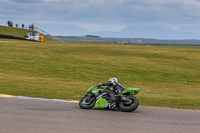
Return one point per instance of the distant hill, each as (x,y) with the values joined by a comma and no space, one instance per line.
(127,40)
(140,30)
(93,36)
(151,31)
(13,33)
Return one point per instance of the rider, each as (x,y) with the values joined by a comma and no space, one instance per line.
(118,88)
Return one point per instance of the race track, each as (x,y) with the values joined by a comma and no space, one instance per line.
(36,116)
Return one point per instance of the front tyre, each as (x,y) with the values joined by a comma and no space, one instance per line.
(87,102)
(130,105)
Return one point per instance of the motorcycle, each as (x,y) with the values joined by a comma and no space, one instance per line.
(99,98)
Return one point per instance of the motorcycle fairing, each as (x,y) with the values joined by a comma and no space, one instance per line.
(94,90)
(131,91)
(101,103)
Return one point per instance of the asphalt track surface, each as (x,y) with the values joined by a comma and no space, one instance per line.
(36,116)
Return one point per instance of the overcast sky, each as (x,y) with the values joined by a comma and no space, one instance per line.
(103,15)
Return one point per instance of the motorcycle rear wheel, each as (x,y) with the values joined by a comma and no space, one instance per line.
(129,106)
(87,103)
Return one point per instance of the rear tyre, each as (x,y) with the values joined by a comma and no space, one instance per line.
(87,102)
(129,106)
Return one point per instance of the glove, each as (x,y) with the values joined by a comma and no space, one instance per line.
(99,85)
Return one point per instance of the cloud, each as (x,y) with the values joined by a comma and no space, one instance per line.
(51,0)
(26,1)
(192,7)
(114,11)
(101,15)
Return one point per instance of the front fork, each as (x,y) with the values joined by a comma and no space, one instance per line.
(88,98)
(90,95)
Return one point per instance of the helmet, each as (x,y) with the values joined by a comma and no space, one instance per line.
(112,80)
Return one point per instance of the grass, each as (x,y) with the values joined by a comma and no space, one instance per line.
(167,76)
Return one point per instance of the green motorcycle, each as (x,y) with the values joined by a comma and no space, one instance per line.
(99,99)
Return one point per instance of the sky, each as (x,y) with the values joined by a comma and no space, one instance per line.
(159,19)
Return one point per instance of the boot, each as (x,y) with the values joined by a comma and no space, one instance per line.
(112,106)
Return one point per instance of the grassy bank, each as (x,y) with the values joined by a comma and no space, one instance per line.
(17,34)
(167,76)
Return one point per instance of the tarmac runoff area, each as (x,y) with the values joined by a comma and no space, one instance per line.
(35,98)
(5,41)
(20,115)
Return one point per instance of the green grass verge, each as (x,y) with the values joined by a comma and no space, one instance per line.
(167,76)
(168,45)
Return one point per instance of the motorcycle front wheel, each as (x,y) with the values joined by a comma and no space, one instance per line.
(87,102)
(130,105)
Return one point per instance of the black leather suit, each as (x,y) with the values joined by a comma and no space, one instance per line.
(118,88)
